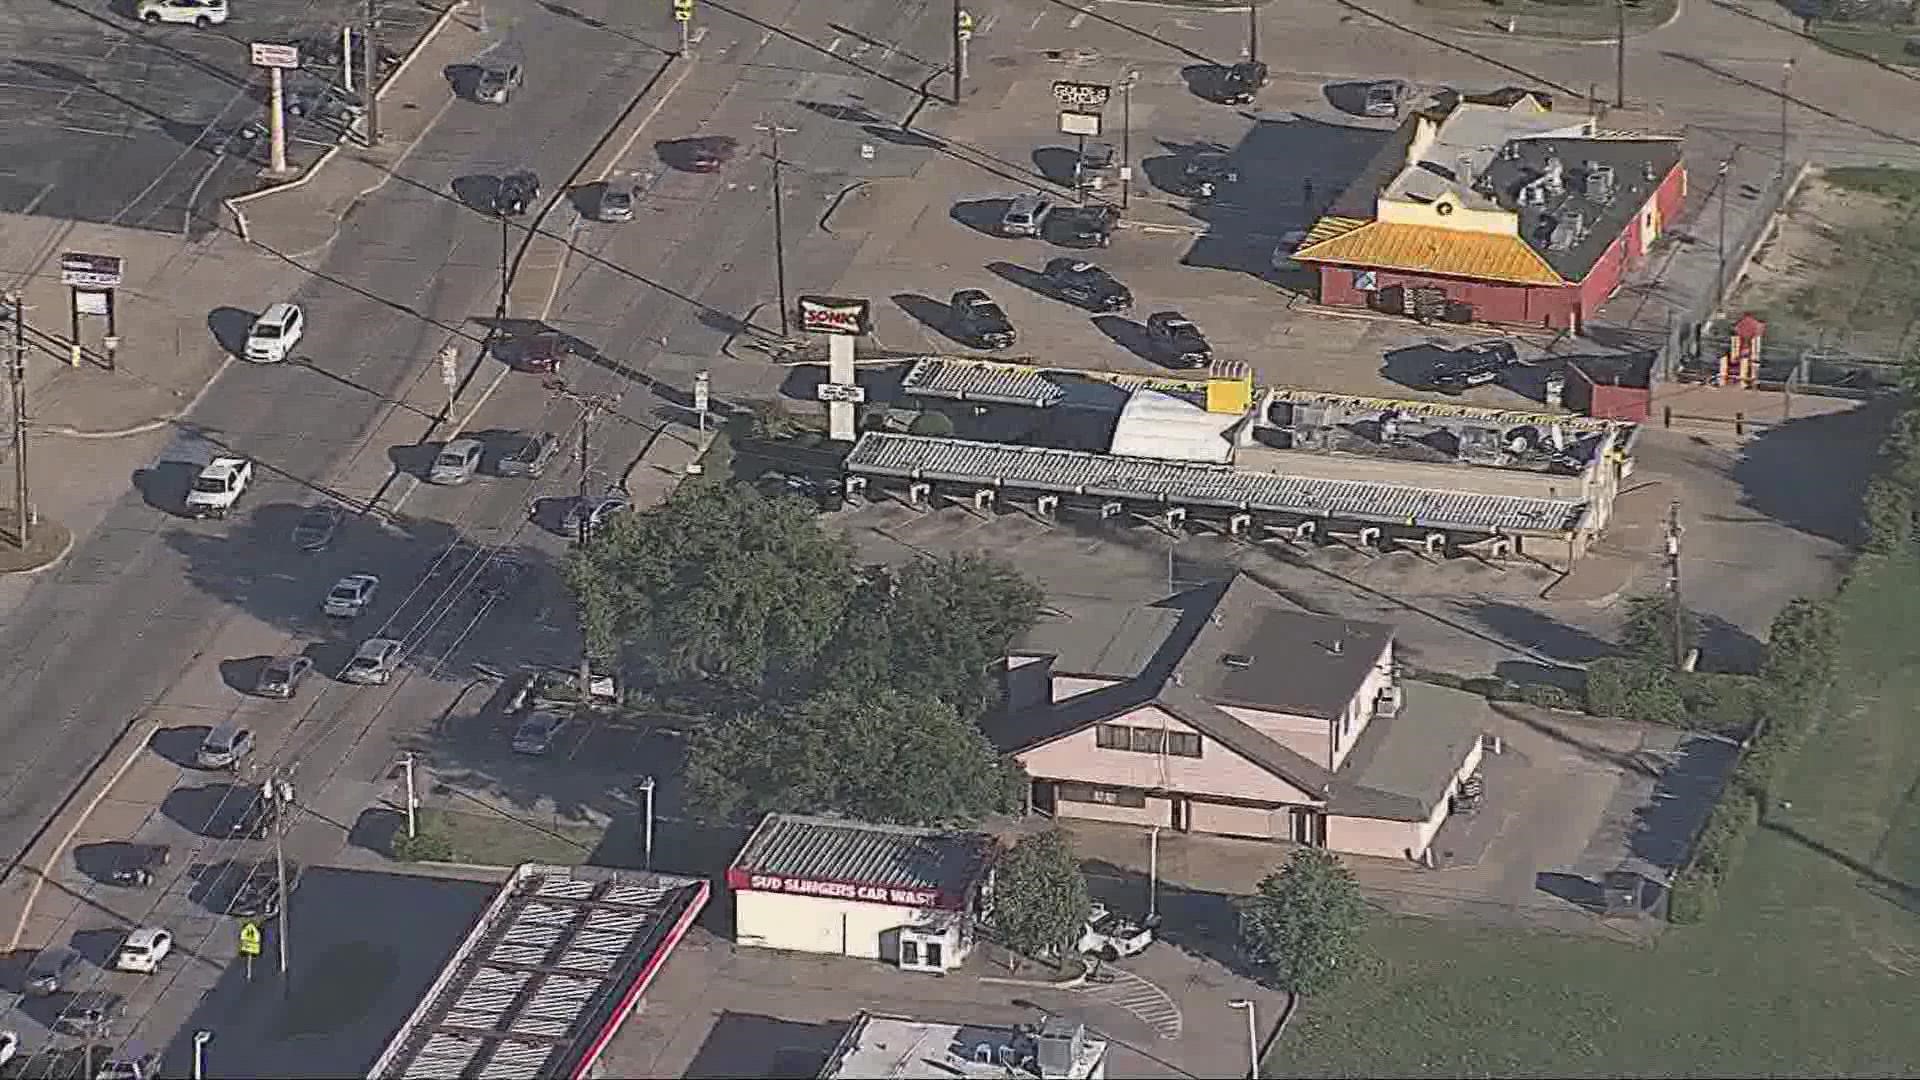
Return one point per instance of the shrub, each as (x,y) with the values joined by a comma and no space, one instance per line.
(1695,891)
(1886,516)
(933,424)
(1721,703)
(428,844)
(1609,681)
(1548,696)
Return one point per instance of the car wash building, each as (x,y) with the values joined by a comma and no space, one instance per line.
(901,895)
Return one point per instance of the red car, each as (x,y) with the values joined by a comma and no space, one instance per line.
(543,352)
(709,153)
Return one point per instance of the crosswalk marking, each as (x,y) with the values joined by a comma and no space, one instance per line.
(1133,994)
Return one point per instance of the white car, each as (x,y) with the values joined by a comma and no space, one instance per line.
(143,950)
(374,662)
(274,334)
(200,13)
(351,595)
(1110,936)
(9,1046)
(219,486)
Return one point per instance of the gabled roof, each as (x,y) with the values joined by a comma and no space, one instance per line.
(1429,249)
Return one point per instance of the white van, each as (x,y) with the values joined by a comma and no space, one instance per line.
(274,334)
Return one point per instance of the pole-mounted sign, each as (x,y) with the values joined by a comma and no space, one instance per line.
(835,315)
(683,10)
(266,54)
(963,24)
(249,939)
(84,271)
(1080,95)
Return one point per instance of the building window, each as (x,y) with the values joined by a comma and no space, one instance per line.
(1146,740)
(1104,796)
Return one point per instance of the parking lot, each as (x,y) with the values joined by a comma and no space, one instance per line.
(118,122)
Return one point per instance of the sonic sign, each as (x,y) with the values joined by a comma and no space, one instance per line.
(842,890)
(835,315)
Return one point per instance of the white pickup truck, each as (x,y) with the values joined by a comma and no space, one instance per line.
(1111,936)
(219,486)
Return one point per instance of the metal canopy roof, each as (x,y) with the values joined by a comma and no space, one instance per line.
(1074,472)
(889,856)
(548,974)
(997,384)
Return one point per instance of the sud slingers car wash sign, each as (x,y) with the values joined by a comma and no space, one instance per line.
(842,890)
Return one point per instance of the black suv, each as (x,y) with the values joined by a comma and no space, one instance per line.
(258,897)
(1240,82)
(980,322)
(1204,174)
(257,820)
(1086,285)
(517,194)
(1082,226)
(1176,338)
(1474,365)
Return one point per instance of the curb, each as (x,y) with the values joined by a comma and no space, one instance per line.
(206,387)
(1679,8)
(65,550)
(833,204)
(146,730)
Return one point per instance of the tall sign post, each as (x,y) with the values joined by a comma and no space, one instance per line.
(250,944)
(1081,106)
(16,310)
(841,319)
(702,397)
(449,376)
(683,14)
(962,33)
(90,282)
(276,59)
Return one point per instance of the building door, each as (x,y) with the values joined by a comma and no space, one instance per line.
(1181,813)
(1304,826)
(935,955)
(909,952)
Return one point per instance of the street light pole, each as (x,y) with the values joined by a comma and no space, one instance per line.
(1253,33)
(506,273)
(1786,99)
(1153,872)
(1620,54)
(1720,288)
(200,1040)
(370,71)
(406,762)
(961,31)
(1126,137)
(779,223)
(646,790)
(17,374)
(1253,1036)
(281,821)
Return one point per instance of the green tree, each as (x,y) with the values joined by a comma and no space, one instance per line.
(1648,634)
(1040,901)
(1802,647)
(885,756)
(1886,512)
(1303,926)
(718,582)
(938,628)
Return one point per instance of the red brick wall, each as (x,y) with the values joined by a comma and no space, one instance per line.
(1516,304)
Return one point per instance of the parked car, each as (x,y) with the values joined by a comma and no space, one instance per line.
(1086,285)
(327,103)
(317,527)
(593,512)
(9,1046)
(1111,936)
(1082,226)
(258,817)
(457,462)
(374,662)
(1386,98)
(1205,174)
(273,335)
(224,747)
(710,153)
(1473,365)
(1024,214)
(528,455)
(517,194)
(543,351)
(91,1013)
(980,322)
(218,486)
(143,950)
(616,201)
(351,595)
(138,865)
(282,676)
(144,1067)
(1178,340)
(258,896)
(200,13)
(52,969)
(1095,165)
(1240,82)
(538,732)
(496,83)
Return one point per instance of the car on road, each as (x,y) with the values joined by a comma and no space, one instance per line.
(273,335)
(52,969)
(710,153)
(496,83)
(143,950)
(138,865)
(200,13)
(91,1013)
(616,201)
(282,676)
(539,731)
(1177,340)
(1024,214)
(224,747)
(317,527)
(457,462)
(980,322)
(1086,285)
(351,595)
(516,194)
(374,662)
(1240,82)
(259,815)
(218,486)
(1204,175)
(258,896)
(593,512)
(1386,98)
(1478,364)
(542,353)
(528,455)
(1082,226)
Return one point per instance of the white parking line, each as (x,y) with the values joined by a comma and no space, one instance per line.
(834,45)
(1078,18)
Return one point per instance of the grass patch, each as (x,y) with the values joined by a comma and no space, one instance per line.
(1810,966)
(495,840)
(1883,180)
(1867,280)
(1885,44)
(1553,18)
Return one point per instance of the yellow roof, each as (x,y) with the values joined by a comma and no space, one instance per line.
(1428,249)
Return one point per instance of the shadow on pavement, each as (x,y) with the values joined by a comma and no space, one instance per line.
(1126,333)
(164,485)
(981,215)
(928,312)
(242,673)
(180,745)
(747,1044)
(229,327)
(1808,474)
(1031,280)
(477,192)
(209,810)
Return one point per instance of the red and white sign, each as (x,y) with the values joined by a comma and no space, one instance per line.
(841,890)
(835,315)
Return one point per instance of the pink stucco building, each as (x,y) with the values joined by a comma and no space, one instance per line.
(1225,709)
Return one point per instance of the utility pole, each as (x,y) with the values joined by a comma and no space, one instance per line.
(767,124)
(646,790)
(1676,612)
(506,273)
(17,374)
(591,406)
(280,824)
(1720,289)
(1153,873)
(1786,98)
(406,762)
(1620,54)
(370,71)
(1126,137)
(962,33)
(1253,33)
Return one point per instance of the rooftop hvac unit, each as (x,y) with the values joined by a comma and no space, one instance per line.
(1555,176)
(1058,1044)
(1567,232)
(1599,182)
